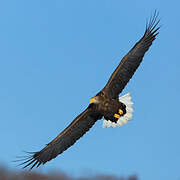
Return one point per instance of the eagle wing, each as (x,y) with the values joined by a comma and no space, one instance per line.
(132,60)
(79,126)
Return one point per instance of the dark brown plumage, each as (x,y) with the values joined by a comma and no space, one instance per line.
(105,103)
(132,60)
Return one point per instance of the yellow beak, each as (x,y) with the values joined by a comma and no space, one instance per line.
(92,100)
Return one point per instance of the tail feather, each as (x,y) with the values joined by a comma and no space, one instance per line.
(127,100)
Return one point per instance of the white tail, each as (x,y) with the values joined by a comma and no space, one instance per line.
(126,99)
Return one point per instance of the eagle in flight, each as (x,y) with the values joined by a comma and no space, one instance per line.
(107,103)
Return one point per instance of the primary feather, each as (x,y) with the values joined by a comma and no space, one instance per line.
(132,59)
(65,139)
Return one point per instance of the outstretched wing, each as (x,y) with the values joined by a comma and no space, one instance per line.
(132,60)
(65,139)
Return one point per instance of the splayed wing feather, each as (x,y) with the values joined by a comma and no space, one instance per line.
(132,60)
(64,140)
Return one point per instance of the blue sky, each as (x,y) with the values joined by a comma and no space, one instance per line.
(56,55)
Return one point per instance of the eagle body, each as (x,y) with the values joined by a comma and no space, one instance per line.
(107,103)
(108,106)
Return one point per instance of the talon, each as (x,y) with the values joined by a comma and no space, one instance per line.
(117,116)
(120,112)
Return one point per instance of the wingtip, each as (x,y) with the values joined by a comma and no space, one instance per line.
(29,160)
(152,23)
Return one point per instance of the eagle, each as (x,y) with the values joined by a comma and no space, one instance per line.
(106,103)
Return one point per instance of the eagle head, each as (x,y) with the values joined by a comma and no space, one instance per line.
(94,100)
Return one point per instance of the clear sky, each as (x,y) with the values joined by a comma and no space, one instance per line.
(56,55)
